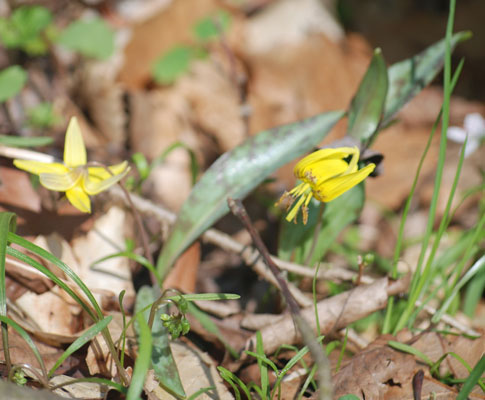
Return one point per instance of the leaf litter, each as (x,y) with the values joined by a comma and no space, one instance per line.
(256,77)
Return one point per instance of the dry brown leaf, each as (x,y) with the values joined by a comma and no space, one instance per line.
(159,119)
(159,34)
(17,193)
(334,313)
(371,373)
(20,275)
(183,275)
(214,101)
(294,82)
(79,390)
(196,370)
(435,345)
(20,352)
(51,312)
(103,98)
(98,359)
(288,23)
(107,237)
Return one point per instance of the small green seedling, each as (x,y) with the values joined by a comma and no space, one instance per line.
(28,29)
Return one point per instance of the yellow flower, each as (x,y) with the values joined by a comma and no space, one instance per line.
(74,176)
(325,175)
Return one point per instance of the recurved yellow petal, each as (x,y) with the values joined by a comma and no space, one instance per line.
(37,167)
(93,185)
(97,174)
(60,182)
(334,187)
(74,149)
(327,154)
(321,171)
(79,199)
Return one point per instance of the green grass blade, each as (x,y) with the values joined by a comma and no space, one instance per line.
(473,294)
(263,364)
(142,362)
(236,173)
(132,256)
(416,290)
(41,268)
(7,224)
(199,392)
(18,141)
(211,327)
(61,265)
(263,359)
(478,267)
(204,296)
(194,165)
(123,330)
(308,380)
(81,341)
(232,379)
(410,350)
(445,219)
(386,328)
(24,335)
(472,379)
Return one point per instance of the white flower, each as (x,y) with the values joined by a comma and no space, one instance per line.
(473,127)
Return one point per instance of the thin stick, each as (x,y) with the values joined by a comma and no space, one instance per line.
(324,371)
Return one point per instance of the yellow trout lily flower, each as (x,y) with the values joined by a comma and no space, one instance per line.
(325,175)
(74,176)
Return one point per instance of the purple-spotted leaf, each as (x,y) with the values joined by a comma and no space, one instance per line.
(236,173)
(407,78)
(366,108)
(162,359)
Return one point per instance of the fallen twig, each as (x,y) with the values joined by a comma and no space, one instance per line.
(334,313)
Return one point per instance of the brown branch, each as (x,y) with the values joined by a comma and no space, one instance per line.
(334,313)
(316,350)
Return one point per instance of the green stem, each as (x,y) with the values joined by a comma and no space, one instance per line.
(316,234)
(422,278)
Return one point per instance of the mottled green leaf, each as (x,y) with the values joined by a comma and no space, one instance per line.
(92,38)
(236,173)
(365,111)
(407,78)
(162,360)
(12,80)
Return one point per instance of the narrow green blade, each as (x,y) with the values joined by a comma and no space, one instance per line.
(8,222)
(472,379)
(407,78)
(366,108)
(236,173)
(162,360)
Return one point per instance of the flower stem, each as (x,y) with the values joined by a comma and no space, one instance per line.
(316,234)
